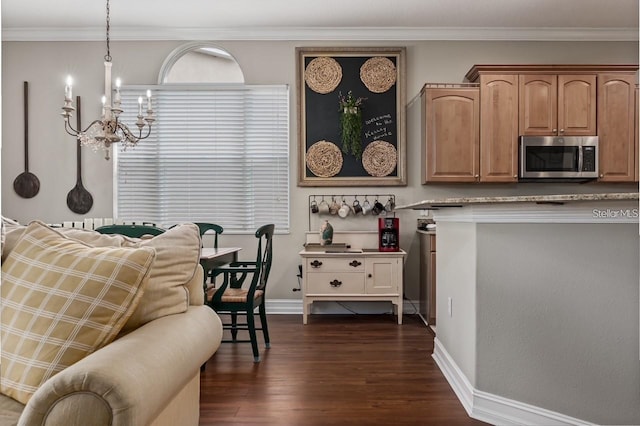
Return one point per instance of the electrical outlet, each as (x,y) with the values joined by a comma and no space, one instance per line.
(450,306)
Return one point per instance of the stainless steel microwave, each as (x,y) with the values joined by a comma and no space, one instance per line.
(558,157)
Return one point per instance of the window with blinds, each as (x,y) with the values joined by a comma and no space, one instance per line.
(216,154)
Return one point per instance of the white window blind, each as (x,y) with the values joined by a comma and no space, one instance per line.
(217,155)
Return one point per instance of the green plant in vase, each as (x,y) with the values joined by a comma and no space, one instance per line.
(351,124)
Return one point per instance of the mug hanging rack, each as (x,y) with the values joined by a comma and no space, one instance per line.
(349,199)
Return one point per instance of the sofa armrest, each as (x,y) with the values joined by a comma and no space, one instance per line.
(129,381)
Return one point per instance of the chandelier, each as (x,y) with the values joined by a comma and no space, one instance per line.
(107,130)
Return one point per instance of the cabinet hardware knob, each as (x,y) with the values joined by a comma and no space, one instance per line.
(369,275)
(477,176)
(355,263)
(554,130)
(316,264)
(561,130)
(515,176)
(335,283)
(601,175)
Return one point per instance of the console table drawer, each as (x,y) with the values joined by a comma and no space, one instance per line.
(335,283)
(341,264)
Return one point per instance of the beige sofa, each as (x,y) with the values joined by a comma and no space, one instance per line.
(148,375)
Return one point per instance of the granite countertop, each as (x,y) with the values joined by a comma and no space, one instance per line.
(540,199)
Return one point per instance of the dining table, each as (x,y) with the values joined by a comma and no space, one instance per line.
(212,258)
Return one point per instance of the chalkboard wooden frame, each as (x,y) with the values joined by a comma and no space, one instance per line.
(383,115)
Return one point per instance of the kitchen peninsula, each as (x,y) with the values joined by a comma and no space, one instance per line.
(537,306)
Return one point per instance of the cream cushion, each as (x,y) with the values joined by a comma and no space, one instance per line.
(62,300)
(177,261)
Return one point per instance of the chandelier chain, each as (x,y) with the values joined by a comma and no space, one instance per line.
(108,55)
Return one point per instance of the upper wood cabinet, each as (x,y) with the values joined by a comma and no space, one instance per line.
(499,128)
(557,104)
(616,141)
(451,134)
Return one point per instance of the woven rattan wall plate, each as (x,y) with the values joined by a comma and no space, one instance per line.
(323,74)
(324,159)
(379,158)
(378,74)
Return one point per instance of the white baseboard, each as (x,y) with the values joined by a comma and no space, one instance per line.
(294,307)
(492,408)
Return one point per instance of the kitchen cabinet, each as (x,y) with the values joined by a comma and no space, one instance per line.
(617,158)
(499,128)
(451,139)
(428,277)
(563,104)
(352,276)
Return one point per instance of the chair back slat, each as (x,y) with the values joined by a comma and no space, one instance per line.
(217,229)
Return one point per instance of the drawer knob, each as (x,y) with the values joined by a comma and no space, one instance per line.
(355,263)
(335,283)
(370,276)
(316,264)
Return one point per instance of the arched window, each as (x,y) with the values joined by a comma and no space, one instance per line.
(219,150)
(200,62)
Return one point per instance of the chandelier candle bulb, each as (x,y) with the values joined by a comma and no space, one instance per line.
(139,106)
(149,102)
(67,89)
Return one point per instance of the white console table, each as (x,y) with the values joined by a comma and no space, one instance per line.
(351,270)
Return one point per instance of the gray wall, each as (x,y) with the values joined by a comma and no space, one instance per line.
(456,279)
(560,331)
(52,152)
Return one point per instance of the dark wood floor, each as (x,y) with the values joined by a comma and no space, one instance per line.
(337,370)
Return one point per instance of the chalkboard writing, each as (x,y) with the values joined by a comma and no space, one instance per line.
(378,128)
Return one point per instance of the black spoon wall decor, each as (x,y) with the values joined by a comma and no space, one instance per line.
(79,199)
(26,184)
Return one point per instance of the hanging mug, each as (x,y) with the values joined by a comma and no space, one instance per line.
(334,207)
(344,210)
(323,207)
(366,207)
(378,207)
(314,207)
(390,205)
(357,208)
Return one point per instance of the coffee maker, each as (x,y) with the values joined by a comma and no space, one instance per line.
(388,234)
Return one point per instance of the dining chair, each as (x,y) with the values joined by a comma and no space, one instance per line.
(134,231)
(243,290)
(217,229)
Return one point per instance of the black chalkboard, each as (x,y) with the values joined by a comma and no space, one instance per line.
(382,115)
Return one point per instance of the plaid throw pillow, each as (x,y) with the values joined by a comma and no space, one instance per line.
(62,300)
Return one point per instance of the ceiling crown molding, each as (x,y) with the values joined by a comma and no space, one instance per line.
(324,33)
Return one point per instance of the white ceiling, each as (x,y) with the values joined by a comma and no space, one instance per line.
(321,19)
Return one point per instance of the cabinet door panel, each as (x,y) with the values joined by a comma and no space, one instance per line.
(452,135)
(577,105)
(381,276)
(538,104)
(499,128)
(616,127)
